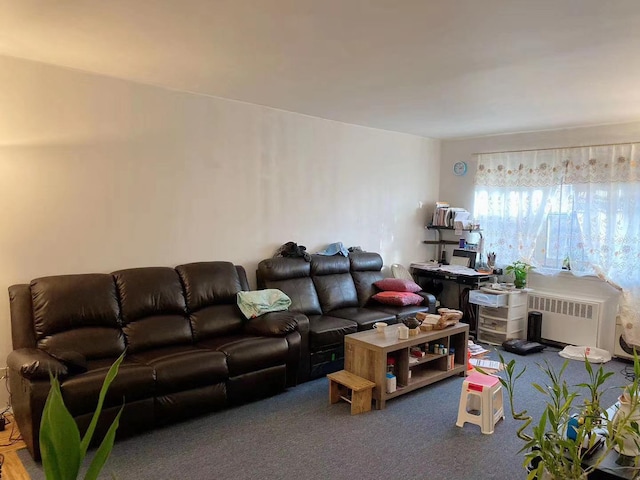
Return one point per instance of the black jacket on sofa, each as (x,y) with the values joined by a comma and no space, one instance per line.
(189,348)
(334,292)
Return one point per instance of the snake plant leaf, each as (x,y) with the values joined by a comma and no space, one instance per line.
(104,450)
(59,438)
(111,374)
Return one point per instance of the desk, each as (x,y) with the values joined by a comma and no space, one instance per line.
(462,278)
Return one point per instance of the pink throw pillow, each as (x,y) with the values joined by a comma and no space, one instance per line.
(401,299)
(397,285)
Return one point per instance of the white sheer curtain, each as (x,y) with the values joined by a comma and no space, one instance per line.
(513,196)
(606,198)
(578,206)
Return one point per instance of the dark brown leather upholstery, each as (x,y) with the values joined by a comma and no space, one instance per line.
(189,349)
(334,292)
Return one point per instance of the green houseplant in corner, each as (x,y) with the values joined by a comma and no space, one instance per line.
(561,440)
(520,271)
(61,448)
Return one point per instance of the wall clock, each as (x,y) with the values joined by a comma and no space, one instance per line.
(460,168)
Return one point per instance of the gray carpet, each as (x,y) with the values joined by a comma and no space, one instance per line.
(299,435)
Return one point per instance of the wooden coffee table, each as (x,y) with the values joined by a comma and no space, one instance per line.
(366,356)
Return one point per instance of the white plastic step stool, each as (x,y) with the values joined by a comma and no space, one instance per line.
(481,402)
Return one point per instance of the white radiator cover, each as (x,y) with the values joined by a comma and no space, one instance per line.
(571,321)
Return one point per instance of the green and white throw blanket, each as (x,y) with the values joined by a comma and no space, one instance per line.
(258,302)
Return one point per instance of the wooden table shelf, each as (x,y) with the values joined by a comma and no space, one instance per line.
(366,356)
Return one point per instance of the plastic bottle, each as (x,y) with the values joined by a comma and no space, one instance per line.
(469,366)
(391,383)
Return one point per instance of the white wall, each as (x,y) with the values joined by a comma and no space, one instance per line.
(460,193)
(98,174)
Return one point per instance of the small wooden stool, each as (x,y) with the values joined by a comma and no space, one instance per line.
(361,390)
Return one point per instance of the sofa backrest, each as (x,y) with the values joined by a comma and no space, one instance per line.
(99,314)
(211,293)
(154,311)
(293,277)
(334,284)
(78,313)
(366,269)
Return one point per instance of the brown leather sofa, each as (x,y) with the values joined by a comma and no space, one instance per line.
(334,292)
(189,350)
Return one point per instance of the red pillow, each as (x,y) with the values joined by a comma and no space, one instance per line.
(397,285)
(400,299)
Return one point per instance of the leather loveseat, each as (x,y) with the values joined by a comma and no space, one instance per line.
(189,350)
(334,292)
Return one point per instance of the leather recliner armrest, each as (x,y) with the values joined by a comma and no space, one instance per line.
(33,363)
(276,324)
(429,300)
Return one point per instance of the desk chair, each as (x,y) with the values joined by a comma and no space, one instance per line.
(399,271)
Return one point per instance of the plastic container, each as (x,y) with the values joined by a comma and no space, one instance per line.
(391,383)
(488,299)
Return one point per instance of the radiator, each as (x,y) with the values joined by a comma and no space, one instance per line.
(571,321)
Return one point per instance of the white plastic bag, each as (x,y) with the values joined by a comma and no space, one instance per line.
(595,355)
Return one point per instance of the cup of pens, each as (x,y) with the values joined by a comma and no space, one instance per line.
(491,260)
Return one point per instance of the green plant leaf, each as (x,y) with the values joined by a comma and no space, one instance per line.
(111,374)
(59,438)
(104,450)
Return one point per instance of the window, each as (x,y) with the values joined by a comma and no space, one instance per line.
(575,206)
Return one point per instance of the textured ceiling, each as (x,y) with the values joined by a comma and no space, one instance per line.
(436,68)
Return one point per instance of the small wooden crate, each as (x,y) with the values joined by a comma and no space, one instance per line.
(351,388)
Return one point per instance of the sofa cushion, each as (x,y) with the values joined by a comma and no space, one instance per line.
(397,285)
(398,298)
(77,312)
(364,282)
(364,317)
(149,291)
(399,311)
(209,283)
(91,342)
(66,302)
(184,367)
(74,361)
(274,269)
(156,332)
(247,353)
(326,331)
(365,262)
(153,308)
(216,320)
(333,282)
(291,276)
(134,381)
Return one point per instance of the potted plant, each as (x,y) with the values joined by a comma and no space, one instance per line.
(60,446)
(565,435)
(520,270)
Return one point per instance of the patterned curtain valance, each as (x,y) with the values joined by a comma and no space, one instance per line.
(604,164)
(521,169)
(539,168)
